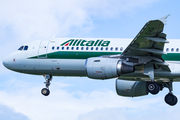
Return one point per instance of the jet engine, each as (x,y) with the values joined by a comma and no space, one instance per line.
(131,88)
(106,68)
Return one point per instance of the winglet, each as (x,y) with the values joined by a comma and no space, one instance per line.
(163,19)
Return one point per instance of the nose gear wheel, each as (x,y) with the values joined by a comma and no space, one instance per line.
(46,91)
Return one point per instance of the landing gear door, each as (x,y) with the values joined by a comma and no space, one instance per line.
(42,53)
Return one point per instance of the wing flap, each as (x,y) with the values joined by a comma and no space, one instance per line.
(157,39)
(154,51)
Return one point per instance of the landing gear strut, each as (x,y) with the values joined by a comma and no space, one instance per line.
(170,98)
(46,91)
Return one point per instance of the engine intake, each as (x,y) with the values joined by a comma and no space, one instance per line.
(106,68)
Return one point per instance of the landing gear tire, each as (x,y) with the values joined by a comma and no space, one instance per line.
(45,91)
(153,88)
(171,99)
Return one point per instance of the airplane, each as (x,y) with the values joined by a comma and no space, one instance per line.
(147,64)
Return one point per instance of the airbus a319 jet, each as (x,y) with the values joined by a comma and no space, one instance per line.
(146,64)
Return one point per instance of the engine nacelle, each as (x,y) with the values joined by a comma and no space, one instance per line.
(131,88)
(106,68)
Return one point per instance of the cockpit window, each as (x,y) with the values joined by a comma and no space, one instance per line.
(26,48)
(21,48)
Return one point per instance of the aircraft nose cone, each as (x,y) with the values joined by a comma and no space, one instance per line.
(6,62)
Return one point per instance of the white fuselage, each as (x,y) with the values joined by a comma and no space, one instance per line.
(51,57)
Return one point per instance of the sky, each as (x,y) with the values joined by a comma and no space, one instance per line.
(78,98)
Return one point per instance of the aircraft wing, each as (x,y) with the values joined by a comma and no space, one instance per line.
(149,41)
(147,47)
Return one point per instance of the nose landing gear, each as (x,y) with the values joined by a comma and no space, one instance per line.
(46,91)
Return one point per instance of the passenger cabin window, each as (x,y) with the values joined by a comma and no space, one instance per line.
(72,48)
(21,48)
(91,48)
(101,48)
(86,48)
(111,48)
(106,48)
(177,50)
(172,49)
(57,48)
(53,48)
(121,49)
(167,49)
(96,48)
(67,48)
(77,48)
(62,48)
(116,49)
(26,48)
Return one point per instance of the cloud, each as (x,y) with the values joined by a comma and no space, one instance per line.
(25,98)
(128,114)
(7,113)
(104,114)
(26,20)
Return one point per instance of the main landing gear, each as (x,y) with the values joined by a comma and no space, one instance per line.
(45,91)
(170,98)
(154,88)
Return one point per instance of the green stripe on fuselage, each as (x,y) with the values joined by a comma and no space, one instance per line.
(85,55)
(74,55)
(171,57)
